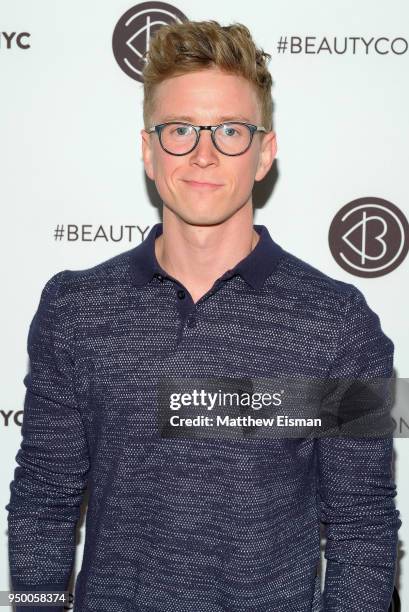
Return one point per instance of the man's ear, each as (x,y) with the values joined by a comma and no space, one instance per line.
(147,154)
(268,152)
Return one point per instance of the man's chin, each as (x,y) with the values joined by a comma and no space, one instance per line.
(206,218)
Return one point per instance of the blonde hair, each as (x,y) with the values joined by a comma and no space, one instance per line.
(180,48)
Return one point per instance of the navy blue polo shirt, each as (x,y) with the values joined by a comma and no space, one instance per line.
(184,523)
(253,269)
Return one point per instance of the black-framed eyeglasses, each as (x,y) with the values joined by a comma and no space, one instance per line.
(230,137)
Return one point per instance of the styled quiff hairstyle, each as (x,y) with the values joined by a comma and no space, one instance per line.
(180,48)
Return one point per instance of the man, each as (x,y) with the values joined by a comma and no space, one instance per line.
(182,522)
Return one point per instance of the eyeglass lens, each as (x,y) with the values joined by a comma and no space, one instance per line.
(231,138)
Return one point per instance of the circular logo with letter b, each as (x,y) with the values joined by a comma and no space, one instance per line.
(134,30)
(369,237)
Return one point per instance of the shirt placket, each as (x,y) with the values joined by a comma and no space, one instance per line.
(188,310)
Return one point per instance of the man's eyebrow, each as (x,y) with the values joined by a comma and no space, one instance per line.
(218,120)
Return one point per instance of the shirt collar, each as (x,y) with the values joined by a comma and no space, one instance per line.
(254,268)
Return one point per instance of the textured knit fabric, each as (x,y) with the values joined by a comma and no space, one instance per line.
(198,525)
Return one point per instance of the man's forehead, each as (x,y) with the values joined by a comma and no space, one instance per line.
(204,111)
(191,102)
(215,118)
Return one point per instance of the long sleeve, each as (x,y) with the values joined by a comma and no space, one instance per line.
(356,488)
(53,461)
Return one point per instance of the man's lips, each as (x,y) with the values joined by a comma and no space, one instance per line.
(199,185)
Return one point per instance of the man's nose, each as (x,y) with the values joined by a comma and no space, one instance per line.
(205,152)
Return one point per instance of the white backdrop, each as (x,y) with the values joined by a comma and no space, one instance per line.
(71,155)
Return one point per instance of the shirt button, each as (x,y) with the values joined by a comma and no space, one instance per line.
(159,276)
(181,294)
(191,322)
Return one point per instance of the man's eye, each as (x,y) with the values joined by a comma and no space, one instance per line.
(182,130)
(229,131)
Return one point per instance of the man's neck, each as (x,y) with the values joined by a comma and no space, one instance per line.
(198,255)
